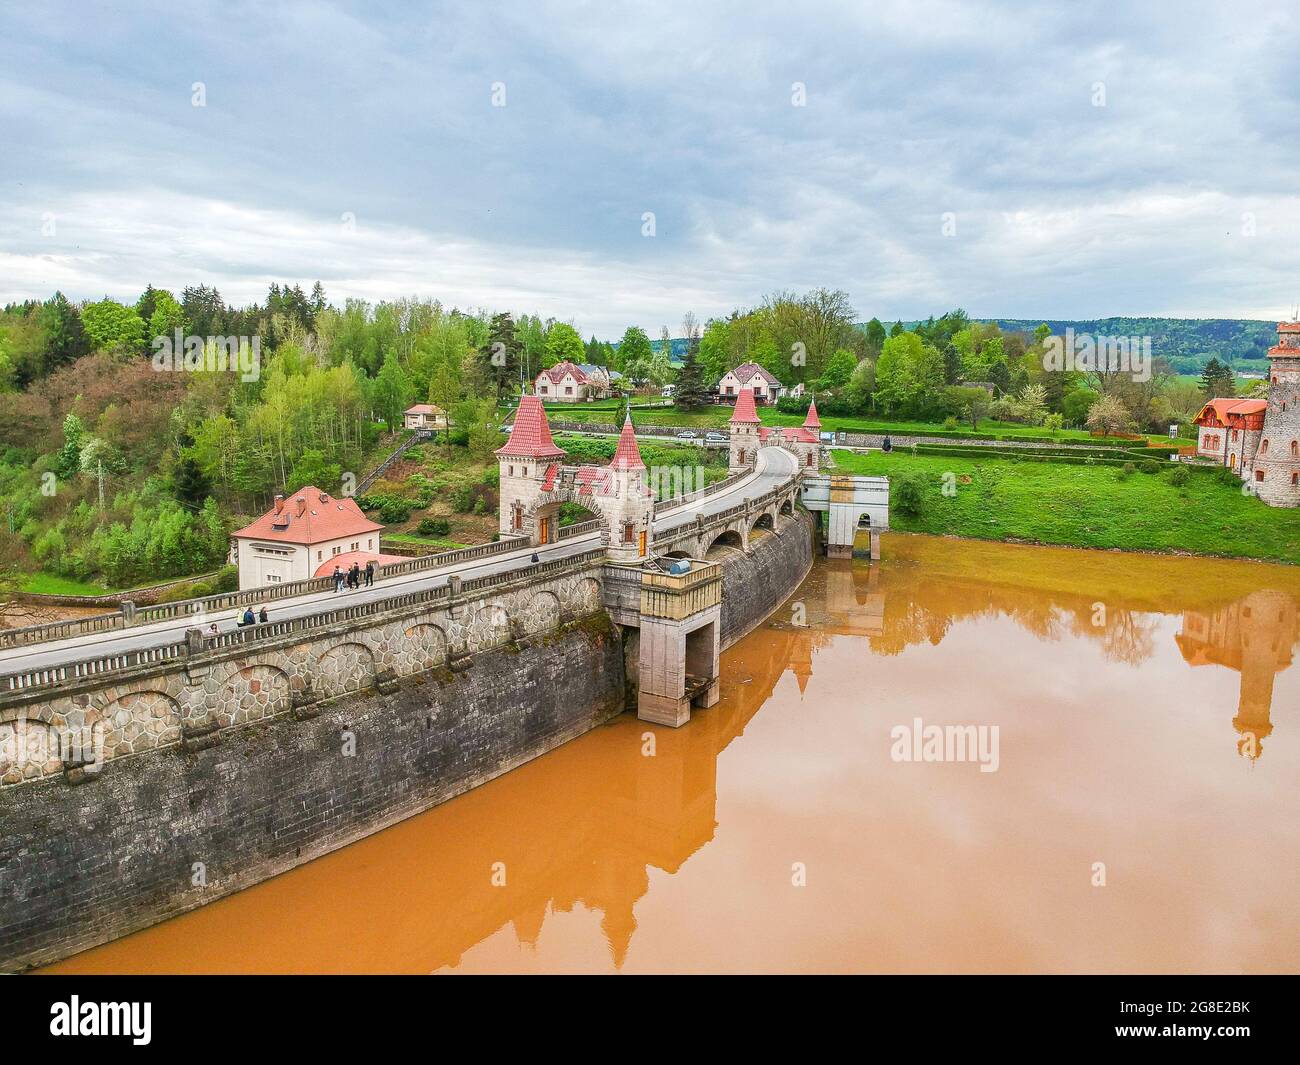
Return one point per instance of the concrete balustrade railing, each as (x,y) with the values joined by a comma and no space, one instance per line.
(665,505)
(580,529)
(55,675)
(132,617)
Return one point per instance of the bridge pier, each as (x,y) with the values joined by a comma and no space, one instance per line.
(847,500)
(678,667)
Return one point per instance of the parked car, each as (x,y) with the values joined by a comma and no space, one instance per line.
(715,437)
(687,434)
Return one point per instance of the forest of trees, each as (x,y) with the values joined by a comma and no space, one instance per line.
(111,469)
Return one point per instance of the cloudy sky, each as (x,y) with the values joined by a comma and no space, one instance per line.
(1019,160)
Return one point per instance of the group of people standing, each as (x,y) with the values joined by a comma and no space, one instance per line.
(354,576)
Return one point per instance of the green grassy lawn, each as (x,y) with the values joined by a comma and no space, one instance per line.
(716,417)
(1086,506)
(48,584)
(424,541)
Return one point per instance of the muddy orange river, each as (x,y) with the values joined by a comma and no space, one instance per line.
(964,758)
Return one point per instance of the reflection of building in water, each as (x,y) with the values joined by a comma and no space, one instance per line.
(1255,636)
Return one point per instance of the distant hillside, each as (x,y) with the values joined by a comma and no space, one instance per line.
(1188,343)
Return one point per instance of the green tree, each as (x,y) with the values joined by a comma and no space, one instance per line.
(839,368)
(391,392)
(692,393)
(1217,380)
(875,337)
(562,344)
(635,355)
(909,375)
(112,327)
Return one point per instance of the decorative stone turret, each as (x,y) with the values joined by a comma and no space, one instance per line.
(535,483)
(525,461)
(745,438)
(629,505)
(1277,461)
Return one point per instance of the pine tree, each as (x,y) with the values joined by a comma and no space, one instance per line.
(692,393)
(1217,380)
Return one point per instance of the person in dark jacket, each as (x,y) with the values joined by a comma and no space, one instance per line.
(370,573)
(354,576)
(248,618)
(262,616)
(338,579)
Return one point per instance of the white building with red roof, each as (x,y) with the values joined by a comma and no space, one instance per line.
(302,537)
(1260,439)
(535,484)
(425,418)
(571,382)
(763,386)
(748,434)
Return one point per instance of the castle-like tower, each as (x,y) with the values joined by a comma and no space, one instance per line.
(744,426)
(1277,461)
(535,483)
(748,434)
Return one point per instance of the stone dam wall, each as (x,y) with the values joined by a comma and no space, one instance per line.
(210,796)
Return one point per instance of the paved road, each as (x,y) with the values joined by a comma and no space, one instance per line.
(774,467)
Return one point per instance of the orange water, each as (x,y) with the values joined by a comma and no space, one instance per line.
(1147,720)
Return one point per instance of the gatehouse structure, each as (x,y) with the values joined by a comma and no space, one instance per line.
(535,484)
(748,434)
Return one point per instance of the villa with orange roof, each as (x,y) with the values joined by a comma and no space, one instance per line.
(305,536)
(1260,439)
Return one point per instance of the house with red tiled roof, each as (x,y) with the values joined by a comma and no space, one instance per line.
(1260,438)
(764,387)
(1228,431)
(299,535)
(425,417)
(571,382)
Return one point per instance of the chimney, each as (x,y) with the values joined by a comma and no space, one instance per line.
(302,505)
(279,504)
(324,498)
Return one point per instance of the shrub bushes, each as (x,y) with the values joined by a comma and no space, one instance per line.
(1178,476)
(394,511)
(906,493)
(1149,466)
(433,527)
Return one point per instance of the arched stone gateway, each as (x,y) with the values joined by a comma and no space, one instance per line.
(349,667)
(541,519)
(787,509)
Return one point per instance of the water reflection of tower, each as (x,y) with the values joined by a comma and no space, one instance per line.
(1255,636)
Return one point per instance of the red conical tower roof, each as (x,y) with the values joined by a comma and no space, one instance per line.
(812,421)
(530,436)
(628,455)
(745,410)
